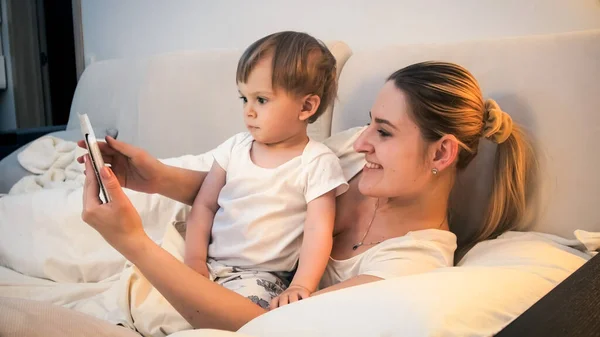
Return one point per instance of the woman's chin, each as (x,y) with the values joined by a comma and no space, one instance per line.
(367,185)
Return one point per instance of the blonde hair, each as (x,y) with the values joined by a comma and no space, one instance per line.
(445,99)
(302,65)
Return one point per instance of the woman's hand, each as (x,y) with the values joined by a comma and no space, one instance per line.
(133,167)
(117,221)
(292,294)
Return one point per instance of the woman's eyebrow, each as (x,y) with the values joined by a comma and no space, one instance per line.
(382,121)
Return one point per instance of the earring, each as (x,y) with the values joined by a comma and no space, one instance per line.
(434,171)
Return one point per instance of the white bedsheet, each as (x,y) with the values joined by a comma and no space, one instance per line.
(47,253)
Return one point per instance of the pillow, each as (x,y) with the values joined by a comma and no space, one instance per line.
(479,298)
(321,129)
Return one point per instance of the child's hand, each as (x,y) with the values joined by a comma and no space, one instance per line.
(292,294)
(202,269)
(198,265)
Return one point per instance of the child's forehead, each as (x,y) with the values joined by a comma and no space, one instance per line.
(260,77)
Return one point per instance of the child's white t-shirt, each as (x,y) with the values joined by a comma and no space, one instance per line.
(260,222)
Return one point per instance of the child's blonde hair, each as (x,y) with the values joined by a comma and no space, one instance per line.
(302,65)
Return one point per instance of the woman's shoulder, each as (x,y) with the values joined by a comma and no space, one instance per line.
(424,237)
(441,243)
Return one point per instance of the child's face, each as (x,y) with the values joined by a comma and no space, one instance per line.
(271,116)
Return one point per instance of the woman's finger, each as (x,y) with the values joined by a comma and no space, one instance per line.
(91,190)
(274,303)
(107,159)
(121,147)
(104,147)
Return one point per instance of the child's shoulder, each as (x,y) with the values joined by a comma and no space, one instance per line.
(315,150)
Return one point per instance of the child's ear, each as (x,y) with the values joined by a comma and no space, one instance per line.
(310,104)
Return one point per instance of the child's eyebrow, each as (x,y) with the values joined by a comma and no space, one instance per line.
(258,93)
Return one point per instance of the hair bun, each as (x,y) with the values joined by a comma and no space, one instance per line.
(497,123)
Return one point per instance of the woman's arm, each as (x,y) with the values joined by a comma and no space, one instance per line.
(180,184)
(355,281)
(138,170)
(203,303)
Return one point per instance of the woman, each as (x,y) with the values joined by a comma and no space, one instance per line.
(426,124)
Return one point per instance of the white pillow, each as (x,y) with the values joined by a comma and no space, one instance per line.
(498,280)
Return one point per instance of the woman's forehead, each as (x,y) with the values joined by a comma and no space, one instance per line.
(391,104)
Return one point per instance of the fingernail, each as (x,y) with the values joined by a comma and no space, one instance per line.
(106,173)
(85,158)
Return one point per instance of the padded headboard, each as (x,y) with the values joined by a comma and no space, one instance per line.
(549,84)
(173,104)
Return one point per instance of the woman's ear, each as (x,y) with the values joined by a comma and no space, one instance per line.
(445,152)
(310,104)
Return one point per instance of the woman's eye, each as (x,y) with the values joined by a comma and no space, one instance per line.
(383,133)
(261,100)
(244,99)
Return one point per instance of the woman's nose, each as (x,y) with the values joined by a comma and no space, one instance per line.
(362,143)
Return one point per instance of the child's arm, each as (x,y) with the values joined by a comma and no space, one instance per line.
(200,220)
(315,251)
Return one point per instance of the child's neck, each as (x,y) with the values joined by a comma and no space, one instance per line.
(298,140)
(275,154)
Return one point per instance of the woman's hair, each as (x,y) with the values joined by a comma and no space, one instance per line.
(445,99)
(302,65)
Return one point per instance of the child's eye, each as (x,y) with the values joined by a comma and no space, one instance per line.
(261,100)
(244,99)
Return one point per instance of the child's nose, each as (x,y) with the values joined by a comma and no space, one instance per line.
(249,111)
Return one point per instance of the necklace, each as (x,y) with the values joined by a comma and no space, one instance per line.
(362,243)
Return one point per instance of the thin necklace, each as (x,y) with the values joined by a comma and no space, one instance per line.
(362,243)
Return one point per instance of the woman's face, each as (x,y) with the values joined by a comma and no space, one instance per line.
(394,149)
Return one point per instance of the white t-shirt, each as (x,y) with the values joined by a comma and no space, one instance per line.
(414,253)
(260,222)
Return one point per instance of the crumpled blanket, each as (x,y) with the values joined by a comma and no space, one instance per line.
(54,164)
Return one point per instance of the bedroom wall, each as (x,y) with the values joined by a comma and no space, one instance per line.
(117,28)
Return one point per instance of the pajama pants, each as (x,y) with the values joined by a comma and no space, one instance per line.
(258,286)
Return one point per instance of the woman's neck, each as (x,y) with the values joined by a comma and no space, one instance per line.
(427,212)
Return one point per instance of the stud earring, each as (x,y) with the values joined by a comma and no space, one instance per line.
(434,171)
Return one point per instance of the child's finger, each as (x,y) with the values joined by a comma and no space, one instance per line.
(293,297)
(283,299)
(303,294)
(274,303)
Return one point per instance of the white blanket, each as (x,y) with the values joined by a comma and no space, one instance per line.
(54,163)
